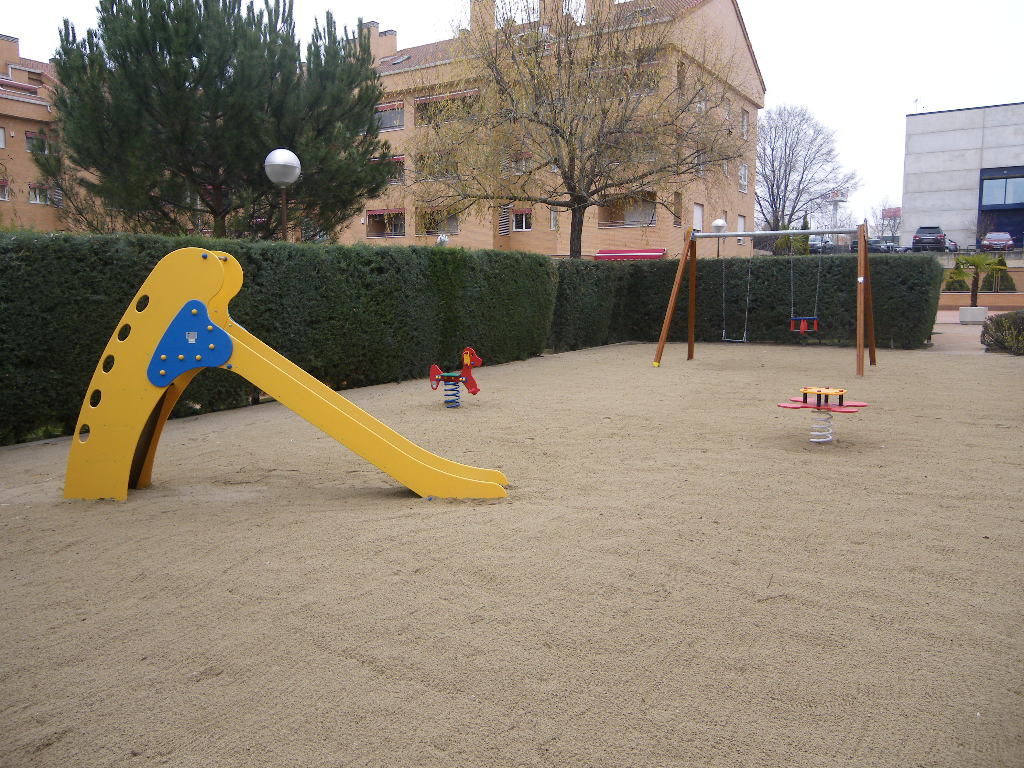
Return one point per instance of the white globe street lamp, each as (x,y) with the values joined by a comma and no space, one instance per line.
(718,225)
(282,167)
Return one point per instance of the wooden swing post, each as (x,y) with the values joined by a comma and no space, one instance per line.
(865,309)
(688,256)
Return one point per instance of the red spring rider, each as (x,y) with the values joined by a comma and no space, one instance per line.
(452,379)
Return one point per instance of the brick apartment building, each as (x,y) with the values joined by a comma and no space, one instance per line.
(412,77)
(26,90)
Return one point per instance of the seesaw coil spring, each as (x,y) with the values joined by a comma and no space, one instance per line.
(451,393)
(821,427)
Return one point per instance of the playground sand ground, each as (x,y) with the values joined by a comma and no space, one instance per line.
(677,578)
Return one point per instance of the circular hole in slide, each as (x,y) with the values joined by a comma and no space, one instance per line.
(108,363)
(142,303)
(123,331)
(83,433)
(94,398)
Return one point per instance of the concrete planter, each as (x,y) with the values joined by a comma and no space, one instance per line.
(973,315)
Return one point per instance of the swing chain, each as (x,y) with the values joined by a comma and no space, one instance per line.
(746,311)
(792,284)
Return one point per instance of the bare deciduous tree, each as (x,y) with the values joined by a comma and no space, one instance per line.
(618,110)
(885,219)
(797,167)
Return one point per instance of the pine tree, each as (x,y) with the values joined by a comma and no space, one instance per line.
(167,110)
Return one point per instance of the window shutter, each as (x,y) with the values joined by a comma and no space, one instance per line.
(505,220)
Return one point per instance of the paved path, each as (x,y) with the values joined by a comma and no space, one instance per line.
(952,338)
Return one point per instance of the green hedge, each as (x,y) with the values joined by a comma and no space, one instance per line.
(351,316)
(360,315)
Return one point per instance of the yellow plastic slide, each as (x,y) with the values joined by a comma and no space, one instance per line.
(178,324)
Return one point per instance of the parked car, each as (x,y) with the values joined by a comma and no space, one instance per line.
(997,241)
(903,249)
(821,244)
(929,239)
(952,247)
(875,245)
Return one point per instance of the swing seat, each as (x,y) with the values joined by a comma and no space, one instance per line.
(803,324)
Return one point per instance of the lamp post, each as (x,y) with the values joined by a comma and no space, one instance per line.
(718,225)
(283,168)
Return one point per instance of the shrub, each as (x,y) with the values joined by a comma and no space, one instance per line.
(1004,332)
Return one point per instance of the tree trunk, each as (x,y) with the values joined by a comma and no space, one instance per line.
(576,232)
(219,225)
(975,281)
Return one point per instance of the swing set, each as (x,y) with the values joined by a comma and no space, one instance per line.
(797,323)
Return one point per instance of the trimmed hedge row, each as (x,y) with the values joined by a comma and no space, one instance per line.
(360,315)
(351,316)
(603,303)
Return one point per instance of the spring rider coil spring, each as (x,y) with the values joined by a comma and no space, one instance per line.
(821,427)
(451,393)
(453,380)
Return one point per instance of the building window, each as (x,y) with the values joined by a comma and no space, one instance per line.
(445,106)
(639,211)
(553,219)
(701,163)
(1015,191)
(4,190)
(3,137)
(1003,191)
(741,226)
(399,177)
(436,166)
(523,13)
(522,220)
(643,84)
(389,222)
(725,167)
(435,222)
(504,219)
(391,117)
(517,163)
(429,112)
(744,123)
(744,177)
(39,194)
(36,142)
(698,217)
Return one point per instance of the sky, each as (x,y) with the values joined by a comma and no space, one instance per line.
(859,67)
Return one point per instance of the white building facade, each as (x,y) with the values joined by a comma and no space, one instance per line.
(963,170)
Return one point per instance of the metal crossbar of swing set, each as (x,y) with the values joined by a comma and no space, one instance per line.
(768,232)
